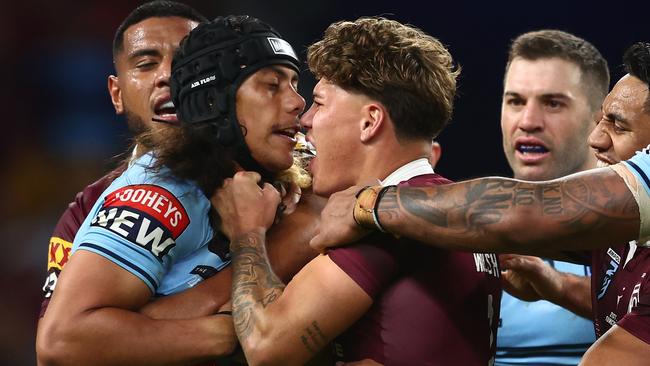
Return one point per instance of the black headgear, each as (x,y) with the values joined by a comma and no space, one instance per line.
(212,63)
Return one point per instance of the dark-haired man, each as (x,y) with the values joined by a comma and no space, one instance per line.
(598,210)
(152,232)
(553,90)
(385,90)
(143,48)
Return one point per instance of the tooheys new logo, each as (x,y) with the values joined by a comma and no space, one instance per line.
(147,215)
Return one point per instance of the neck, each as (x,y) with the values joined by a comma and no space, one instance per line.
(380,160)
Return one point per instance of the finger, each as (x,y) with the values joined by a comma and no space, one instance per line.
(317,241)
(248,175)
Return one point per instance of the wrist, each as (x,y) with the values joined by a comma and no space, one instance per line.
(243,238)
(366,207)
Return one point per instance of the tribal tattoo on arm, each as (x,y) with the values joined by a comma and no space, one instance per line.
(255,286)
(501,214)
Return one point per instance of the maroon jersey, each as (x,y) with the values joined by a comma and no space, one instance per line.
(430,306)
(620,290)
(66,229)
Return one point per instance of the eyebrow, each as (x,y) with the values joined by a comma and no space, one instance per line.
(143,52)
(543,96)
(285,73)
(555,96)
(616,117)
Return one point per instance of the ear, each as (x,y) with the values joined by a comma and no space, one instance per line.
(374,117)
(115,93)
(436,152)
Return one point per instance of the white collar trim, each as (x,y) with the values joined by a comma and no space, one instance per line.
(417,167)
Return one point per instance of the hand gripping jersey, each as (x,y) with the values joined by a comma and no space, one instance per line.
(154,226)
(430,306)
(529,332)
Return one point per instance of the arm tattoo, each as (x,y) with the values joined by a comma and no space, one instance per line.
(313,339)
(468,208)
(255,286)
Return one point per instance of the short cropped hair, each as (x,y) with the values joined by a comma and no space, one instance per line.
(153,9)
(636,61)
(411,73)
(550,43)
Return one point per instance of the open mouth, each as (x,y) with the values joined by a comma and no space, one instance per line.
(165,112)
(289,132)
(531,148)
(601,164)
(603,161)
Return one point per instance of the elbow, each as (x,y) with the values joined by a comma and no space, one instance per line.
(55,343)
(50,347)
(260,351)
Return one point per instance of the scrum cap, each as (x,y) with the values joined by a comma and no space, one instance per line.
(212,63)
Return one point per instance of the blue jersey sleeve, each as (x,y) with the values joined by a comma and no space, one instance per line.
(145,224)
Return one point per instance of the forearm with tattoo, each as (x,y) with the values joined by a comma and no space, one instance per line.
(254,284)
(500,214)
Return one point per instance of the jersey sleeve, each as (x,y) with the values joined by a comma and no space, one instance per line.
(137,227)
(371,266)
(60,244)
(635,172)
(637,321)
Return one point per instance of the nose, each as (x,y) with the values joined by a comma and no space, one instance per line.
(532,117)
(164,72)
(306,119)
(295,102)
(599,139)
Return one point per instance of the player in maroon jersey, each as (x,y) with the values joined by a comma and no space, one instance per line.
(385,91)
(597,211)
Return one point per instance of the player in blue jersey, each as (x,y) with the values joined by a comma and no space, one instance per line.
(153,231)
(553,89)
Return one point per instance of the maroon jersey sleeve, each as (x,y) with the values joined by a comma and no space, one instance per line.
(637,321)
(370,266)
(66,229)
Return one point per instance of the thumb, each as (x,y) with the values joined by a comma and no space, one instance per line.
(318,242)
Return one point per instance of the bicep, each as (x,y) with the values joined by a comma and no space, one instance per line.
(617,347)
(90,281)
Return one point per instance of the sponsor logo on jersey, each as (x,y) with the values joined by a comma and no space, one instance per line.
(609,273)
(58,253)
(204,271)
(147,215)
(50,283)
(487,263)
(611,319)
(634,298)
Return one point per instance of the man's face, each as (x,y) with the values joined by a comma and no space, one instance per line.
(545,119)
(141,88)
(625,126)
(268,106)
(334,124)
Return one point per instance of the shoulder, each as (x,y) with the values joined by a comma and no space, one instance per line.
(426,180)
(77,210)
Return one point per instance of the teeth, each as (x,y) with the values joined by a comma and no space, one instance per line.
(168,104)
(601,164)
(533,149)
